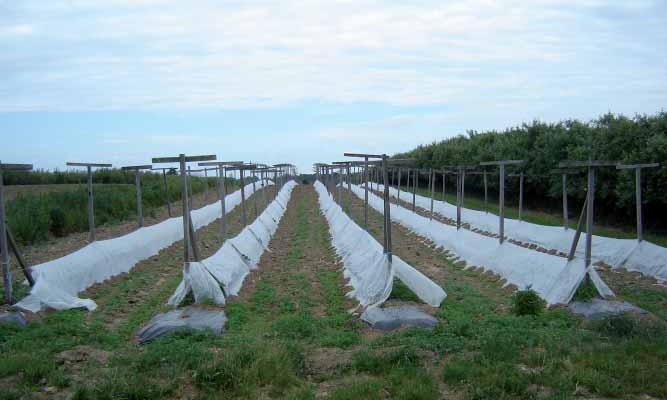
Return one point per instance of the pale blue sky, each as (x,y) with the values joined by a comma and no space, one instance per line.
(121,81)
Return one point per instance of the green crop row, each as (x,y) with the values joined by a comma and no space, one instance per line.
(38,217)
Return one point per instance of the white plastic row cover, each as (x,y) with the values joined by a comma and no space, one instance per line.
(644,257)
(366,266)
(552,277)
(222,274)
(59,281)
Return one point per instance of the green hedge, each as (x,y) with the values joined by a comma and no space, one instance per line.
(639,139)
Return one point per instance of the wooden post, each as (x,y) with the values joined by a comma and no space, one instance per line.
(366,192)
(501,195)
(589,215)
(399,184)
(431,184)
(638,193)
(189,240)
(91,214)
(387,213)
(186,211)
(520,175)
(254,190)
(166,188)
(486,194)
(444,197)
(205,185)
(415,178)
(458,200)
(577,234)
(19,256)
(243,211)
(137,183)
(4,233)
(566,223)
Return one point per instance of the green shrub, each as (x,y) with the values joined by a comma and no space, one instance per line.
(527,302)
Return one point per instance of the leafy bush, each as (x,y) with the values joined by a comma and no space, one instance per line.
(527,302)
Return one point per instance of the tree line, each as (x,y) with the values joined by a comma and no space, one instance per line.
(630,140)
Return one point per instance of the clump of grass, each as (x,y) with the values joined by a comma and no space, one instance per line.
(527,302)
(400,291)
(619,326)
(245,368)
(586,291)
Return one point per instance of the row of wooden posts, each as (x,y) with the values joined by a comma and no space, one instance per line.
(280,173)
(366,172)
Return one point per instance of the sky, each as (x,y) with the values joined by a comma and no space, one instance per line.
(122,81)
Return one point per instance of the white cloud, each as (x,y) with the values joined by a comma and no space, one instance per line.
(84,54)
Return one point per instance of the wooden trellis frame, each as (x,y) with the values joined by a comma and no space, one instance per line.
(460,172)
(7,240)
(242,169)
(638,192)
(564,173)
(189,237)
(165,186)
(521,180)
(91,216)
(501,195)
(222,191)
(387,245)
(590,165)
(137,184)
(347,165)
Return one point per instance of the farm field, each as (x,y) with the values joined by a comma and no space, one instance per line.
(290,333)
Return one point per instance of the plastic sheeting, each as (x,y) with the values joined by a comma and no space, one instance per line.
(366,266)
(59,281)
(644,257)
(552,277)
(222,274)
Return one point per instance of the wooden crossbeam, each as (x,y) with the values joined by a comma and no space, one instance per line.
(587,163)
(364,155)
(162,160)
(502,162)
(16,167)
(635,166)
(137,167)
(82,164)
